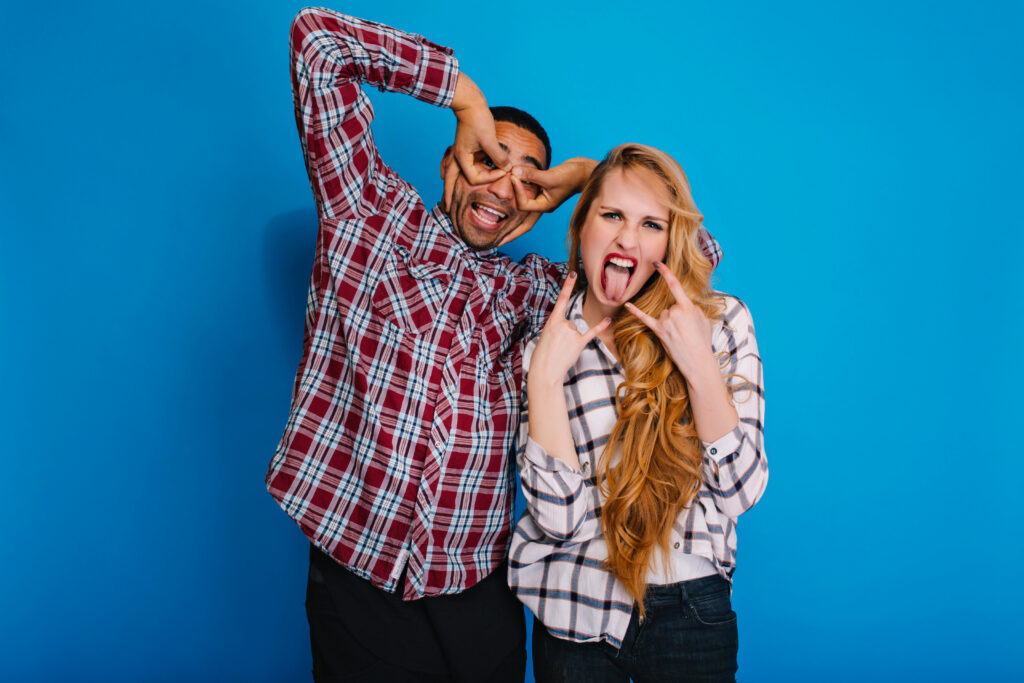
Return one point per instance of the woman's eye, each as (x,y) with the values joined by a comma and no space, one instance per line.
(655,226)
(611,215)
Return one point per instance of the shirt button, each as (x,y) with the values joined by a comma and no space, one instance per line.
(676,546)
(714,451)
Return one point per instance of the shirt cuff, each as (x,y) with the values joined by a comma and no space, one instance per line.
(540,459)
(720,449)
(437,74)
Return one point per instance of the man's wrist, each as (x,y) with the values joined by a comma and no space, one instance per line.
(468,96)
(586,167)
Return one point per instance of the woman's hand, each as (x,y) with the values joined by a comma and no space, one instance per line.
(685,332)
(558,348)
(560,343)
(683,329)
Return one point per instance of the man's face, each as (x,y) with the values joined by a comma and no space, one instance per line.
(484,214)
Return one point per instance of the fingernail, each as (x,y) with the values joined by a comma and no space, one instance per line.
(517,172)
(658,264)
(572,275)
(607,320)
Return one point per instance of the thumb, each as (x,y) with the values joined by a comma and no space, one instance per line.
(530,174)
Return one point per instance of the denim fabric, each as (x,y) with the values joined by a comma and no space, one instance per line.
(689,634)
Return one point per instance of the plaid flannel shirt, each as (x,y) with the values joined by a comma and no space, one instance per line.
(557,555)
(396,450)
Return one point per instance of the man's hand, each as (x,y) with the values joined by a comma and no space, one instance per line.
(476,152)
(538,190)
(544,191)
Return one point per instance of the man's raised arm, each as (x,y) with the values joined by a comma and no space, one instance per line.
(331,56)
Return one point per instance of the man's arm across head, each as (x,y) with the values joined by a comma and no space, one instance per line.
(332,54)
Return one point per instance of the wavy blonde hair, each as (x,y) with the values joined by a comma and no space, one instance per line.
(659,472)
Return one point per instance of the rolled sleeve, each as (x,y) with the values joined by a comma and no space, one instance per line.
(557,496)
(735,468)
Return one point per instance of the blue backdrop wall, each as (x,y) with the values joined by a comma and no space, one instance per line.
(860,164)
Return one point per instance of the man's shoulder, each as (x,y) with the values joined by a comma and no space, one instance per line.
(535,268)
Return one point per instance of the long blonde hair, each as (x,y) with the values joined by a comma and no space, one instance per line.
(659,471)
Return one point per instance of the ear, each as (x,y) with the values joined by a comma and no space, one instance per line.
(444,159)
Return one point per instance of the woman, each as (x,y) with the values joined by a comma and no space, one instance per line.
(640,442)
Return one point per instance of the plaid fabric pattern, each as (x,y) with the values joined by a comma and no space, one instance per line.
(406,396)
(558,552)
(395,453)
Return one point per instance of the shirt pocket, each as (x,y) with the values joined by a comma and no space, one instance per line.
(411,293)
(500,363)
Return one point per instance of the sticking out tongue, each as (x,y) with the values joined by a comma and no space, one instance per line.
(614,281)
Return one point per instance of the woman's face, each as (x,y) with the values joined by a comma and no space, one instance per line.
(625,232)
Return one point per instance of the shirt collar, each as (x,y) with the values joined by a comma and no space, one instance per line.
(574,312)
(459,248)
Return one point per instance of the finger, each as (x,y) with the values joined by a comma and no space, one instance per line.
(644,318)
(558,312)
(542,203)
(596,330)
(474,172)
(522,229)
(499,156)
(534,175)
(451,174)
(521,199)
(673,283)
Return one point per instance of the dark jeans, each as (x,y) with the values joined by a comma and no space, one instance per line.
(689,634)
(360,633)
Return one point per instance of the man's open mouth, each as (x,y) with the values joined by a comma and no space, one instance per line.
(616,275)
(486,217)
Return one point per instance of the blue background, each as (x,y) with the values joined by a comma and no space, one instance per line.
(860,164)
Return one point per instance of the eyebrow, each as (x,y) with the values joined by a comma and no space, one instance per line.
(527,158)
(605,207)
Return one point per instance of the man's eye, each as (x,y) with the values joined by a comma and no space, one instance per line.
(486,161)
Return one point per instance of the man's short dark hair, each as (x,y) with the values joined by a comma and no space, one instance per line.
(520,118)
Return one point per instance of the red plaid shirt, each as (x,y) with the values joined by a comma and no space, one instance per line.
(406,400)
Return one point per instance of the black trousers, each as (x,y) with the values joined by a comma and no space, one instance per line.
(360,633)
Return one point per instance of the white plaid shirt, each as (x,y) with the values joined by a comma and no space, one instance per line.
(557,553)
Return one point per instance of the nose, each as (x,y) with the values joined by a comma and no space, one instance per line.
(502,188)
(627,236)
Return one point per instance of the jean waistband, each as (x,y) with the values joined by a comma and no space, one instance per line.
(706,585)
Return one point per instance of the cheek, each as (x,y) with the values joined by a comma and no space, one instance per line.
(589,249)
(656,247)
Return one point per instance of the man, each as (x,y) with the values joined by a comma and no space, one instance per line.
(394,460)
